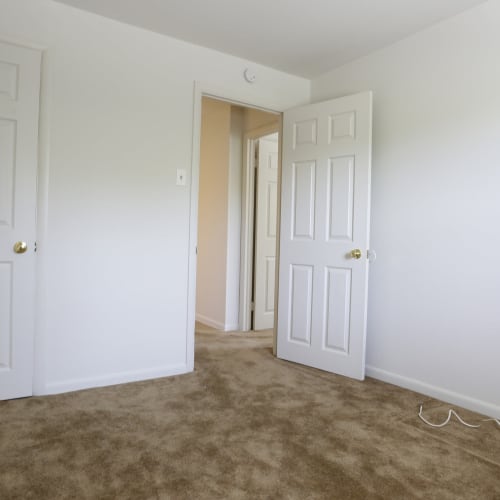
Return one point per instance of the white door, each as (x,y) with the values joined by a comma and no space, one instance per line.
(19,94)
(265,232)
(324,236)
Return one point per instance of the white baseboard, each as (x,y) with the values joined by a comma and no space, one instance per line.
(217,324)
(451,397)
(210,322)
(111,379)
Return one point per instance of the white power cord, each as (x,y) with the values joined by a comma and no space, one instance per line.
(453,412)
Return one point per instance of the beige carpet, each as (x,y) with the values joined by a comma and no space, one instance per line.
(243,425)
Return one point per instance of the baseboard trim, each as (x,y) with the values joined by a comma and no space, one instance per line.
(112,379)
(451,397)
(210,322)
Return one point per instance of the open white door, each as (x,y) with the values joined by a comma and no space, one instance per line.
(19,94)
(265,232)
(325,205)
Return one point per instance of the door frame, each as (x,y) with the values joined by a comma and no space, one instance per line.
(241,96)
(247,220)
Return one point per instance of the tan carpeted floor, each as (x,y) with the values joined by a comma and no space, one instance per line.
(243,425)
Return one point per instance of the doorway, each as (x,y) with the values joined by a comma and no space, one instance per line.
(229,143)
(343,147)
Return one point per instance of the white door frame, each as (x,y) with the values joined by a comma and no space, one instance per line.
(238,96)
(247,221)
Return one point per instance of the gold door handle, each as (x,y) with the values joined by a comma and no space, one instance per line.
(20,247)
(356,253)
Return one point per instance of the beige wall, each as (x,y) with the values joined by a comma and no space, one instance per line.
(255,118)
(213,213)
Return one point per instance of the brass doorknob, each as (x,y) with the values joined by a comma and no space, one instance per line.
(20,247)
(356,253)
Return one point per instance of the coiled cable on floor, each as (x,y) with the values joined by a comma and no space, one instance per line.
(451,413)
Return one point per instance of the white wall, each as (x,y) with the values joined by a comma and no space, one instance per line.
(114,229)
(434,322)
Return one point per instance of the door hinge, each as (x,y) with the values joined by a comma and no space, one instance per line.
(252,306)
(35,247)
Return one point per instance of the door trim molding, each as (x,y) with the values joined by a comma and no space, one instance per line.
(40,382)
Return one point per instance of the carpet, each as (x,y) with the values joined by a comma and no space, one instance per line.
(243,425)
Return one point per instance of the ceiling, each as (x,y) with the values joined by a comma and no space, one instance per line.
(301,37)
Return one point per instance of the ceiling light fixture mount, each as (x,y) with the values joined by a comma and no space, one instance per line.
(249,76)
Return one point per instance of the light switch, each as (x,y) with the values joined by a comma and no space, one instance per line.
(181,177)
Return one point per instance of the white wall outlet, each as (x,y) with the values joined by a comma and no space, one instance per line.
(181,177)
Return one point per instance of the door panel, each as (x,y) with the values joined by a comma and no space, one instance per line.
(7,152)
(324,216)
(300,304)
(303,199)
(341,198)
(19,94)
(5,314)
(265,231)
(337,311)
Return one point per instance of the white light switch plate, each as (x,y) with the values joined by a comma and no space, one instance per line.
(181,177)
